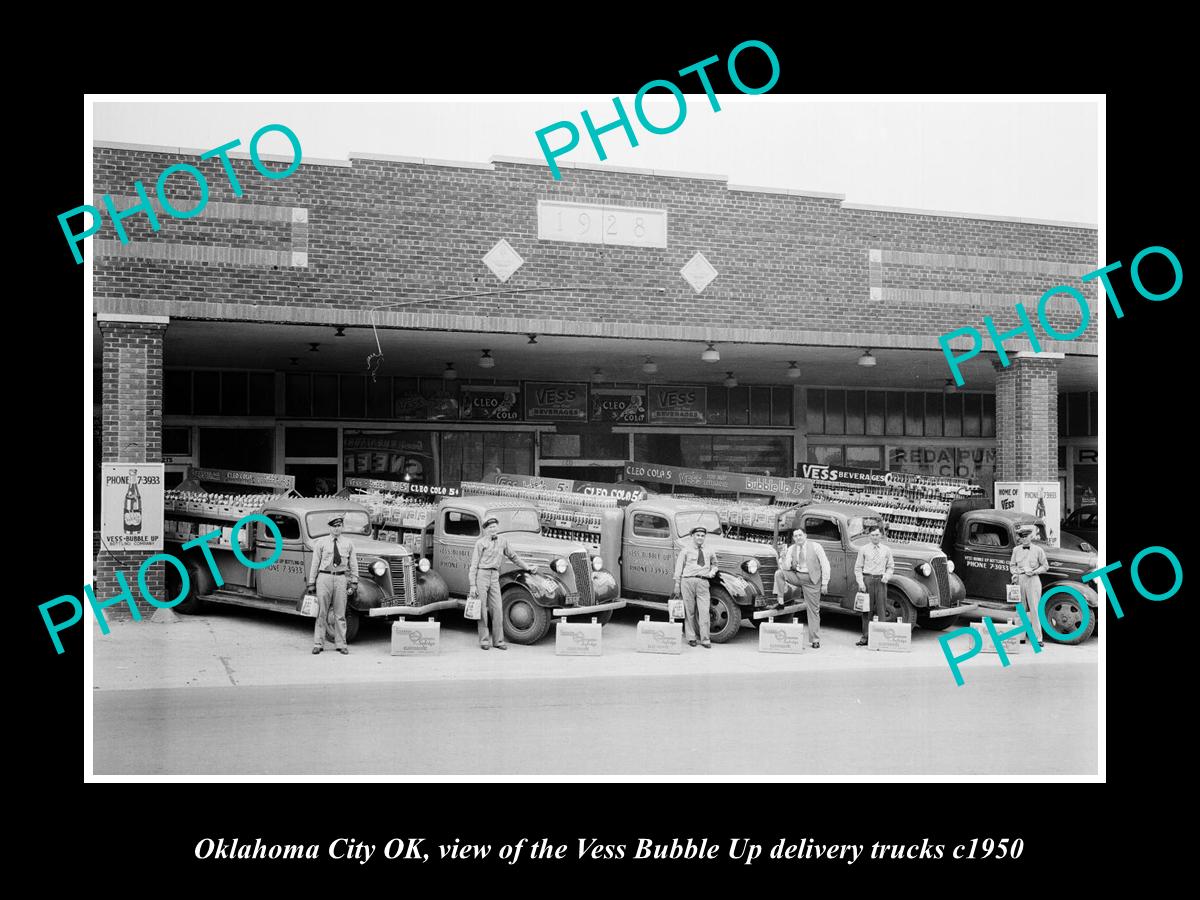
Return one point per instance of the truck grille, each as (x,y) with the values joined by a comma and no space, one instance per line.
(400,571)
(943,581)
(583,579)
(766,574)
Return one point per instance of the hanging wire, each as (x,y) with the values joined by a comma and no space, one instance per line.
(375,360)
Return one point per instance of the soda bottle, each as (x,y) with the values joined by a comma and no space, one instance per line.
(133,505)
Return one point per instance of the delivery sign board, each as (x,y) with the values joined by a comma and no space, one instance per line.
(131,506)
(1042,499)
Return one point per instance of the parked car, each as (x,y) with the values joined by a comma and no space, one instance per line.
(1084,524)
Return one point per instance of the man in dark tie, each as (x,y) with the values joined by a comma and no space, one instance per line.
(333,576)
(693,568)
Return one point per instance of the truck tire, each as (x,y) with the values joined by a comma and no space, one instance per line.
(898,608)
(944,623)
(1065,612)
(725,619)
(353,620)
(524,621)
(191,604)
(604,617)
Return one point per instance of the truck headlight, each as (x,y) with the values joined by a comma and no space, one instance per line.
(750,565)
(379,568)
(925,569)
(597,563)
(560,566)
(949,565)
(423,564)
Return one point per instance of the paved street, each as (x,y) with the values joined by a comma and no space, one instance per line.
(235,692)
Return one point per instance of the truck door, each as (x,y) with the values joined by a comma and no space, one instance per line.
(828,533)
(456,538)
(284,580)
(985,550)
(648,554)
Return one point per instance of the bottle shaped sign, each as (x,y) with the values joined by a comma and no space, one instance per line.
(133,505)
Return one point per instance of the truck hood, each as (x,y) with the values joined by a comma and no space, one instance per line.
(731,546)
(905,550)
(373,547)
(1071,559)
(527,543)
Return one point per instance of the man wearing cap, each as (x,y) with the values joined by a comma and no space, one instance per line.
(1027,563)
(333,576)
(693,568)
(805,565)
(484,579)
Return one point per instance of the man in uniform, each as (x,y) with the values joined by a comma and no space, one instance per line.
(804,565)
(1027,563)
(693,568)
(333,577)
(873,570)
(484,579)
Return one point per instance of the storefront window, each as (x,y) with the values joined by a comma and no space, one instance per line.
(314,479)
(325,396)
(206,393)
(953,417)
(825,454)
(760,406)
(244,449)
(379,398)
(914,414)
(895,412)
(989,415)
(933,415)
(389,455)
(978,463)
(781,406)
(310,442)
(297,394)
(835,412)
(177,392)
(876,413)
(718,406)
(469,455)
(972,414)
(816,411)
(750,453)
(864,457)
(739,406)
(856,412)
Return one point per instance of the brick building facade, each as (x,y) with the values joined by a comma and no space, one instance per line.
(225,308)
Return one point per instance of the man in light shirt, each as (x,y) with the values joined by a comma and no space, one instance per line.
(693,568)
(873,570)
(1027,563)
(804,565)
(483,576)
(333,576)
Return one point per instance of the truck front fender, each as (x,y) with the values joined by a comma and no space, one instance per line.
(958,590)
(916,593)
(546,590)
(368,597)
(428,587)
(1090,593)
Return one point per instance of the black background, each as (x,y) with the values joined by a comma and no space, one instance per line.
(1070,830)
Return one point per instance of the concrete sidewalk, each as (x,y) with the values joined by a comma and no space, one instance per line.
(234,646)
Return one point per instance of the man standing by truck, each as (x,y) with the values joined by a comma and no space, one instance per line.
(805,565)
(873,570)
(693,568)
(1026,564)
(333,576)
(483,576)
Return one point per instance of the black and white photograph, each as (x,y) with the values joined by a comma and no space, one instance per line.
(681,436)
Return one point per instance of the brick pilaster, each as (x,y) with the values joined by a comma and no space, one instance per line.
(1027,418)
(132,388)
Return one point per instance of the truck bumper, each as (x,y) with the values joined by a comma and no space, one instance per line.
(771,611)
(588,610)
(416,610)
(963,609)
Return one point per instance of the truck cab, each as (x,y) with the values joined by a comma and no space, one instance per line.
(981,540)
(387,572)
(924,589)
(567,583)
(657,528)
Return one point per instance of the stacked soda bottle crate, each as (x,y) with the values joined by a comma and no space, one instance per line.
(562,515)
(190,514)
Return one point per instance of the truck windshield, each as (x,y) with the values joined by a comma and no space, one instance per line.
(517,519)
(855,528)
(686,521)
(357,522)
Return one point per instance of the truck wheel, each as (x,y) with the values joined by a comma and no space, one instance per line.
(941,624)
(352,623)
(724,616)
(191,604)
(898,608)
(1065,612)
(524,621)
(605,617)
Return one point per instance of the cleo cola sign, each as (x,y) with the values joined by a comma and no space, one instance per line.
(496,403)
(131,506)
(616,405)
